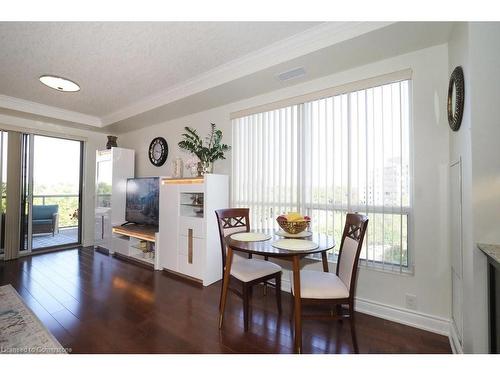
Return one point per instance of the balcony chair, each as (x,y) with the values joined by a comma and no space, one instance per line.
(45,219)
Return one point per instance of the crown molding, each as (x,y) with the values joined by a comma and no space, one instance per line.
(39,109)
(313,39)
(321,36)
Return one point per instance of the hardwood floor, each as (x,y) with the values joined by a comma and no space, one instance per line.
(94,303)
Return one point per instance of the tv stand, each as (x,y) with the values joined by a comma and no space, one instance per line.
(138,242)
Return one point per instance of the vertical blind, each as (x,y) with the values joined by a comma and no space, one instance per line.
(326,157)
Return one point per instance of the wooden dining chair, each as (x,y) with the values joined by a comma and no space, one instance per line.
(337,289)
(247,272)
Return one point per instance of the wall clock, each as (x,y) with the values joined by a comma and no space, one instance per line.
(158,151)
(456,92)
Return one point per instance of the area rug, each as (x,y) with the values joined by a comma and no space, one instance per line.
(21,332)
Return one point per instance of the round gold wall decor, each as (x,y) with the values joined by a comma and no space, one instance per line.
(456,94)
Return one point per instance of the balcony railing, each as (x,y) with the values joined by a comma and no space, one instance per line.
(68,207)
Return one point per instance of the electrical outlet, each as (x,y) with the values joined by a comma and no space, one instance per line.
(411,301)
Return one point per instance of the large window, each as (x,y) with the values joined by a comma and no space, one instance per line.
(325,157)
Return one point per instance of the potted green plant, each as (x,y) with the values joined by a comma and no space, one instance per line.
(207,153)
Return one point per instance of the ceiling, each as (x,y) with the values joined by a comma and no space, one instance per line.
(142,73)
(118,63)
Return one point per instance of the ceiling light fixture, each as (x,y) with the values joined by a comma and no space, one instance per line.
(59,83)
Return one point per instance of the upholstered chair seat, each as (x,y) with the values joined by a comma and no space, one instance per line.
(321,285)
(247,270)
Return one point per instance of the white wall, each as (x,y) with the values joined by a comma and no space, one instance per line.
(485,99)
(429,248)
(93,141)
(474,46)
(460,149)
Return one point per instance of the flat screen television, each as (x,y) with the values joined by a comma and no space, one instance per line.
(143,199)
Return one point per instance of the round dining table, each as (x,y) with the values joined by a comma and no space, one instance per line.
(266,249)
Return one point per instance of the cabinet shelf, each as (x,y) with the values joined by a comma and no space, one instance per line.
(142,259)
(131,243)
(191,204)
(145,233)
(142,249)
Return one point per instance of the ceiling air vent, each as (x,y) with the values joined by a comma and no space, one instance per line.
(291,74)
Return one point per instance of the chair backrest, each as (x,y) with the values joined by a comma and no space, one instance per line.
(231,220)
(41,212)
(350,249)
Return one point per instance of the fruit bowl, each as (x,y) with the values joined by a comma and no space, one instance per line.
(294,226)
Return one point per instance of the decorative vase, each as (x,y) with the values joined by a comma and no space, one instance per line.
(205,167)
(194,170)
(177,168)
(111,142)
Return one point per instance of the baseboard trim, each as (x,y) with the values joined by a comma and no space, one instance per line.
(410,318)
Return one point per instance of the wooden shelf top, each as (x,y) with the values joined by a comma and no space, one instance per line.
(184,180)
(142,232)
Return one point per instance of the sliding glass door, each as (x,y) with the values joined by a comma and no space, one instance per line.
(51,192)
